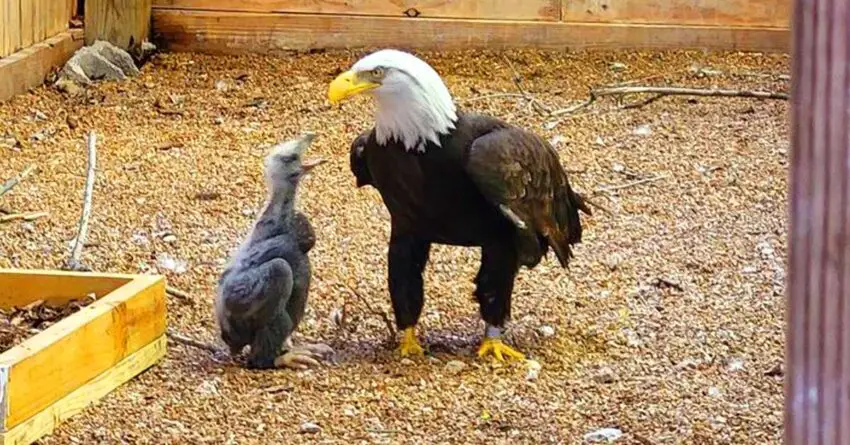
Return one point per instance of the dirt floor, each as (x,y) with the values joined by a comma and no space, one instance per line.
(668,326)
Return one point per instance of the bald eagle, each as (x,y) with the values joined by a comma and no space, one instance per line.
(456,178)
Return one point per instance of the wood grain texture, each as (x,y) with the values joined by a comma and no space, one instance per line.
(11,34)
(236,33)
(75,402)
(22,286)
(63,357)
(474,9)
(124,23)
(753,13)
(28,67)
(818,344)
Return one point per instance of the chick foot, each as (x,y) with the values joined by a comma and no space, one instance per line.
(295,360)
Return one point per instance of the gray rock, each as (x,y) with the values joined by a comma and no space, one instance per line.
(117,56)
(309,428)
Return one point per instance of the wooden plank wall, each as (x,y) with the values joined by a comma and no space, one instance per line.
(817,407)
(234,26)
(25,22)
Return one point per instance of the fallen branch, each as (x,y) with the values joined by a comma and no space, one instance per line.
(74,261)
(30,216)
(177,293)
(11,183)
(539,106)
(381,314)
(665,91)
(629,184)
(182,339)
(493,96)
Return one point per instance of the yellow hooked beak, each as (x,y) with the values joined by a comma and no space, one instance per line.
(346,85)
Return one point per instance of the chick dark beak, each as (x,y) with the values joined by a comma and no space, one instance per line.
(309,164)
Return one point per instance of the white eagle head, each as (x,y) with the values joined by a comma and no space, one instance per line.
(414,105)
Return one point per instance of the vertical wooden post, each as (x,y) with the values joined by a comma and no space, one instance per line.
(124,23)
(818,380)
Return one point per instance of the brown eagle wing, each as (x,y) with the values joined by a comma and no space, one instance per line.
(521,171)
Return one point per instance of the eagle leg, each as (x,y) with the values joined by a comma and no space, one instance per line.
(515,219)
(406,260)
(493,288)
(409,344)
(295,360)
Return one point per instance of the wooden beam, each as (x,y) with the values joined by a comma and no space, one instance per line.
(19,287)
(548,10)
(63,357)
(817,406)
(236,33)
(752,13)
(47,420)
(124,23)
(27,68)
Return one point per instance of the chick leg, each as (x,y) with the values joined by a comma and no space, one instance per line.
(494,286)
(407,258)
(295,360)
(315,350)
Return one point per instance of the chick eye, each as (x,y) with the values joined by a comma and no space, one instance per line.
(378,72)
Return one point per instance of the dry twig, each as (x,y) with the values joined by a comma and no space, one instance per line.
(30,216)
(11,183)
(381,314)
(182,339)
(629,184)
(539,106)
(178,293)
(74,261)
(665,91)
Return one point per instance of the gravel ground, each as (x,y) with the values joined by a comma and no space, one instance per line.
(668,326)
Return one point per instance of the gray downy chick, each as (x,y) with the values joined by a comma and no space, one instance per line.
(262,294)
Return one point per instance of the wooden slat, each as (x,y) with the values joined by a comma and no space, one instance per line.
(473,9)
(818,347)
(27,68)
(27,12)
(65,356)
(47,420)
(19,286)
(124,23)
(726,13)
(10,34)
(235,33)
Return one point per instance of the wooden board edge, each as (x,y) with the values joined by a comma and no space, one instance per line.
(78,400)
(27,68)
(112,307)
(4,396)
(66,273)
(237,33)
(43,340)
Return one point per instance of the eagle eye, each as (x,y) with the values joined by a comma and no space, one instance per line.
(378,72)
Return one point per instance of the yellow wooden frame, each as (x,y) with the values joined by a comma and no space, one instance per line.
(57,373)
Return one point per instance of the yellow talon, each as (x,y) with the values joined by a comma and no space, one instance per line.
(409,344)
(499,350)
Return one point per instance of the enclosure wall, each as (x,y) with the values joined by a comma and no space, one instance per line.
(25,22)
(233,26)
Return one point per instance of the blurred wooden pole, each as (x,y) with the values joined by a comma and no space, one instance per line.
(124,23)
(817,397)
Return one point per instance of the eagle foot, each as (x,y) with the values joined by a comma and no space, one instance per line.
(409,345)
(499,350)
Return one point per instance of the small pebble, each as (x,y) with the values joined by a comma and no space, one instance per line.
(170,239)
(455,366)
(219,120)
(309,428)
(407,362)
(605,375)
(604,435)
(534,368)
(546,331)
